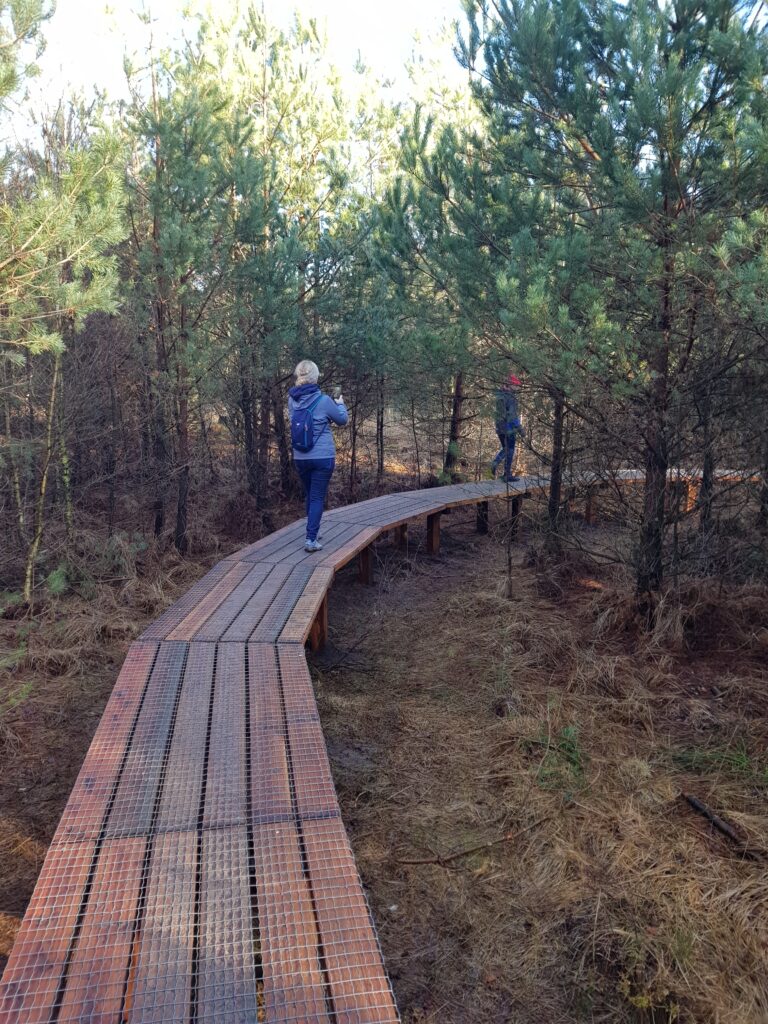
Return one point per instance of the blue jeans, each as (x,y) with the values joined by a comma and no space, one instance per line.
(507,452)
(315,476)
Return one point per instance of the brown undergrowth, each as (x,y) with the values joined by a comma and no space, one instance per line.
(554,730)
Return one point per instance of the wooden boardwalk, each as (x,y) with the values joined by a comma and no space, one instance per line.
(201,871)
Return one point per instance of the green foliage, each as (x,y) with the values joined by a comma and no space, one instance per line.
(563,763)
(20,694)
(19,31)
(57,581)
(9,600)
(734,759)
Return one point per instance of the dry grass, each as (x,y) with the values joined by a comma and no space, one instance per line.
(702,616)
(473,717)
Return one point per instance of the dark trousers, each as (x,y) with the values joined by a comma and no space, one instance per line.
(315,476)
(507,452)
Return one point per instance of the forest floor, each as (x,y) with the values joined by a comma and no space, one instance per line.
(548,726)
(511,774)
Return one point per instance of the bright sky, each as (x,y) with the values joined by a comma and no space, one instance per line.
(86,40)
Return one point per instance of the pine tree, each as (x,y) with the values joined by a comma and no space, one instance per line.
(641,119)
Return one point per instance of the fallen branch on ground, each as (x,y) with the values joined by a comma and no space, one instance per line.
(507,838)
(722,826)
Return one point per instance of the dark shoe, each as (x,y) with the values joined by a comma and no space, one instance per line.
(510,479)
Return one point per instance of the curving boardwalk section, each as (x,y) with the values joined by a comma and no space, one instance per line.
(201,871)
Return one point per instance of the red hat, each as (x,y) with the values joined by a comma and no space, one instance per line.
(514,381)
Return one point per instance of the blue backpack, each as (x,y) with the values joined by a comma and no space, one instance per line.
(302,427)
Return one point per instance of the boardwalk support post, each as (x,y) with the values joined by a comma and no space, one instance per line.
(482,517)
(514,523)
(590,507)
(318,634)
(365,564)
(402,536)
(433,534)
(691,494)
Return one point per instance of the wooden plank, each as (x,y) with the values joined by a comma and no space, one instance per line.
(315,794)
(361,539)
(279,611)
(180,800)
(296,554)
(270,784)
(226,971)
(159,983)
(231,606)
(32,977)
(225,801)
(294,985)
(306,608)
(98,970)
(178,611)
(264,686)
(83,817)
(354,967)
(208,604)
(134,803)
(284,543)
(298,691)
(253,551)
(255,609)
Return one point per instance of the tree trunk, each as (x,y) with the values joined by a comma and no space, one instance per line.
(249,432)
(762,515)
(556,472)
(65,465)
(380,430)
(181,539)
(454,431)
(707,486)
(14,469)
(353,450)
(284,449)
(650,571)
(212,473)
(37,534)
(263,463)
(416,442)
(111,460)
(161,462)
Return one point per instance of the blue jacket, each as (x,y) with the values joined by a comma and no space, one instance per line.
(325,412)
(507,415)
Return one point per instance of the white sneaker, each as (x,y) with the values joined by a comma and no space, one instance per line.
(313,545)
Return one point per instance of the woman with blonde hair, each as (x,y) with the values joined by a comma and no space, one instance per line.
(311,413)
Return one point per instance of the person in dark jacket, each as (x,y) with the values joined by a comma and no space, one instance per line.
(315,467)
(508,426)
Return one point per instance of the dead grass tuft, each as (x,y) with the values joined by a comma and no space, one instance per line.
(701,617)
